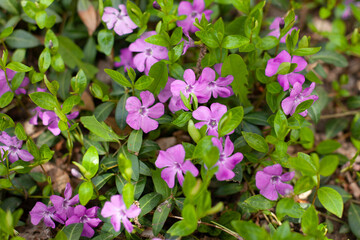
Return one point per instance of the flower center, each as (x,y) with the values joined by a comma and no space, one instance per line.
(275,179)
(212,123)
(84,219)
(188,88)
(194,14)
(148,52)
(143,111)
(221,157)
(177,166)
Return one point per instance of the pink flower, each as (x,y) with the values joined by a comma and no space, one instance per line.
(126,59)
(192,11)
(190,85)
(148,54)
(165,94)
(41,211)
(284,80)
(86,216)
(119,20)
(118,212)
(297,96)
(51,120)
(210,117)
(13,146)
(172,160)
(277,25)
(141,114)
(226,162)
(218,88)
(5,86)
(62,205)
(188,43)
(270,182)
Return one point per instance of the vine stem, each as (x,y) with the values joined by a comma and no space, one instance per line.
(338,115)
(317,188)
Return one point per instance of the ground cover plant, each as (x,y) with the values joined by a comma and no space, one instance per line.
(203,119)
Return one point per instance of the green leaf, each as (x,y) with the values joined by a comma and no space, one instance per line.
(41,18)
(186,226)
(106,41)
(256,142)
(306,51)
(159,40)
(57,63)
(22,39)
(307,137)
(309,220)
(242,5)
(159,73)
(102,111)
(100,129)
(303,184)
(273,87)
(249,230)
(331,57)
(354,219)
(85,192)
(281,125)
(118,77)
(230,120)
(6,99)
(91,162)
(311,76)
(18,67)
(44,60)
(331,200)
(289,207)
(206,151)
(328,165)
(234,65)
(304,106)
(304,163)
(143,82)
(44,100)
(120,112)
(267,43)
(353,102)
(128,194)
(79,82)
(69,103)
(100,180)
(176,37)
(11,6)
(182,119)
(73,231)
(259,202)
(160,215)
(284,68)
(148,202)
(334,126)
(135,141)
(327,146)
(20,132)
(234,41)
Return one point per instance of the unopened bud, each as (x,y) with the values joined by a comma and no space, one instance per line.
(156,5)
(75,173)
(282,23)
(51,44)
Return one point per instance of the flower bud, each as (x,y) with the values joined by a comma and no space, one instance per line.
(193,131)
(156,5)
(282,23)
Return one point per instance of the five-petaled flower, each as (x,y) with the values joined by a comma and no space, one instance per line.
(51,120)
(41,211)
(13,146)
(226,162)
(277,25)
(192,11)
(148,54)
(140,113)
(119,20)
(5,85)
(270,182)
(284,80)
(116,209)
(172,160)
(297,96)
(210,117)
(64,206)
(86,216)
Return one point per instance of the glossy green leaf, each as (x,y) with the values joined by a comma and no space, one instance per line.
(44,100)
(256,141)
(149,202)
(85,192)
(230,120)
(331,200)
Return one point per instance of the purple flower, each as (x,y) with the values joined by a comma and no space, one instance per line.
(4,85)
(347,12)
(148,54)
(226,162)
(13,146)
(165,94)
(270,182)
(297,96)
(218,88)
(141,114)
(188,43)
(51,120)
(210,117)
(277,25)
(274,63)
(190,85)
(86,216)
(41,211)
(116,209)
(172,160)
(126,59)
(62,205)
(192,11)
(119,20)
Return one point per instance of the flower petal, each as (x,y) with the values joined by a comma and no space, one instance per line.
(189,77)
(134,120)
(262,179)
(217,110)
(147,98)
(283,188)
(156,111)
(168,174)
(133,211)
(25,155)
(148,124)
(202,113)
(301,63)
(273,170)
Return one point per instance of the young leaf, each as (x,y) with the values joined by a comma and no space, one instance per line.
(256,141)
(91,162)
(230,120)
(85,192)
